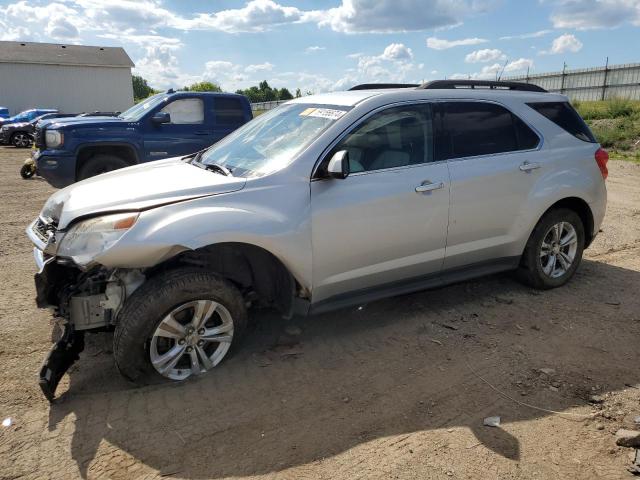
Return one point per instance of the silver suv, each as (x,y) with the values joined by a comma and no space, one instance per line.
(327,201)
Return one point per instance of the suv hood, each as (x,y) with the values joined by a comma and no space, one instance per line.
(137,188)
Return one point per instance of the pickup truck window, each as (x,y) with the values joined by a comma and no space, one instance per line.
(185,111)
(228,111)
(271,141)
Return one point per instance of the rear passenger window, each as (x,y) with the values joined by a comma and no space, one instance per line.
(475,128)
(228,111)
(564,115)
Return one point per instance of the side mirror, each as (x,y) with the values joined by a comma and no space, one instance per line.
(339,165)
(161,117)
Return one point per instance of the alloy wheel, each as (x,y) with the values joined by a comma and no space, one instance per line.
(192,339)
(558,249)
(21,140)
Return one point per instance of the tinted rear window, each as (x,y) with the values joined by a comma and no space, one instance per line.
(476,128)
(563,115)
(229,111)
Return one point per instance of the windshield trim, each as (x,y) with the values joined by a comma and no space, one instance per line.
(140,105)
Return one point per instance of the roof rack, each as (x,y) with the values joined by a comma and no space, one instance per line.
(377,86)
(481,84)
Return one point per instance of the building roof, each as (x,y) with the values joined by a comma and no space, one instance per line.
(62,54)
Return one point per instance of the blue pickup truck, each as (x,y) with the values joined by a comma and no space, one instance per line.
(166,125)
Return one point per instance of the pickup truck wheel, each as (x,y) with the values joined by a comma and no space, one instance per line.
(554,250)
(176,325)
(100,164)
(21,140)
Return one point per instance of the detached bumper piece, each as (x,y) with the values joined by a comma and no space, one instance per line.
(63,354)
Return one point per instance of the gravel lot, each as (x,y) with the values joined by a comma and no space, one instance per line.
(396,389)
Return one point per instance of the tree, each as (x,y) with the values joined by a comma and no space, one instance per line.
(298,93)
(203,87)
(263,92)
(141,88)
(284,94)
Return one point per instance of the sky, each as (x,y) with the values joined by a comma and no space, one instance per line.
(331,45)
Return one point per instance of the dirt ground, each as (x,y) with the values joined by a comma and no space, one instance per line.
(394,389)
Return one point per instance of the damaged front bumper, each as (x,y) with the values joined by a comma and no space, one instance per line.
(79,300)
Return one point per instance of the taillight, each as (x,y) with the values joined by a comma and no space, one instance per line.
(602,157)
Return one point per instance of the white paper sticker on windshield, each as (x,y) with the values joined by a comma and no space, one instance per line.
(329,113)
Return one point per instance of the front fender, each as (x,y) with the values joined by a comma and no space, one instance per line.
(279,224)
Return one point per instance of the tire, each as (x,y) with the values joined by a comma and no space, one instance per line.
(100,164)
(537,268)
(21,140)
(135,342)
(27,171)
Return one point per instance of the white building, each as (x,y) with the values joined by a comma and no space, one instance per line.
(70,78)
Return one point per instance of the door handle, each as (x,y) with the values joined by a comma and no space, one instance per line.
(527,167)
(429,187)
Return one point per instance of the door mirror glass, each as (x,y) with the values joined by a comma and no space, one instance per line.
(161,117)
(339,165)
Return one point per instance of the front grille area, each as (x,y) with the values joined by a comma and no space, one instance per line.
(43,228)
(39,138)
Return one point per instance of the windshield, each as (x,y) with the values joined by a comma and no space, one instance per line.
(136,112)
(271,141)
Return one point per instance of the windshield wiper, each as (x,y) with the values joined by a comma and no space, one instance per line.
(214,167)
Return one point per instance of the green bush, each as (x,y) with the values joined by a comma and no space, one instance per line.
(619,107)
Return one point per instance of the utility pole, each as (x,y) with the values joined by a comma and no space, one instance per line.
(564,74)
(604,82)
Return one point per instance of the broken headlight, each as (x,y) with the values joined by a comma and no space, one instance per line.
(88,238)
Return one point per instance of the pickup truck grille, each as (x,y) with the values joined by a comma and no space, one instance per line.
(39,138)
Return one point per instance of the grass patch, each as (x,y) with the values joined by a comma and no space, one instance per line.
(615,124)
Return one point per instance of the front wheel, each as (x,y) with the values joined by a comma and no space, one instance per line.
(554,250)
(179,324)
(100,164)
(27,171)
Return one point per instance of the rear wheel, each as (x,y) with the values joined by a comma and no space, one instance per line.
(177,325)
(21,140)
(554,250)
(100,164)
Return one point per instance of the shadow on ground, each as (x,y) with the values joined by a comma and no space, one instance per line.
(397,366)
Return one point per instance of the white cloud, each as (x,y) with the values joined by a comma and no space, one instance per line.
(520,65)
(14,33)
(490,72)
(386,16)
(57,20)
(255,16)
(62,29)
(261,67)
(441,44)
(524,36)
(590,14)
(397,51)
(484,56)
(314,49)
(566,43)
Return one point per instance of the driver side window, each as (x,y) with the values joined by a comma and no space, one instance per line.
(185,111)
(395,137)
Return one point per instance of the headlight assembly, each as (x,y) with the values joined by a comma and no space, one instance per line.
(89,238)
(54,138)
